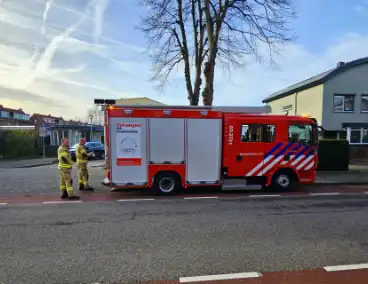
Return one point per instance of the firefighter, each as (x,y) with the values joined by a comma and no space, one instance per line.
(82,161)
(65,171)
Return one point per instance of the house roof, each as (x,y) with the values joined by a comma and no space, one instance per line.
(12,110)
(47,116)
(316,80)
(137,101)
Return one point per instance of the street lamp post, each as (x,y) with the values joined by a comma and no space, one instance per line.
(90,133)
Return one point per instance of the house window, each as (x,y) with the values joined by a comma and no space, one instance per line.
(258,133)
(343,103)
(357,135)
(364,103)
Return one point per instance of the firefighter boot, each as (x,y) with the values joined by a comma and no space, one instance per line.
(74,197)
(64,195)
(81,186)
(89,188)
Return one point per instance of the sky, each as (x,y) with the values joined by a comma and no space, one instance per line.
(56,56)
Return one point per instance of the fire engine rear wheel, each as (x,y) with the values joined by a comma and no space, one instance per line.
(167,183)
(283,181)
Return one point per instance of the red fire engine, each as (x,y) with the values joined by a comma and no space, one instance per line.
(172,148)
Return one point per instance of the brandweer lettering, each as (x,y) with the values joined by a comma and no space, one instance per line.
(126,125)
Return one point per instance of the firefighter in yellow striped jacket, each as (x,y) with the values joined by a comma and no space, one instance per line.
(65,171)
(82,161)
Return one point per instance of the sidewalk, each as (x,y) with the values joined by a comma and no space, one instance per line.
(27,163)
(30,163)
(357,174)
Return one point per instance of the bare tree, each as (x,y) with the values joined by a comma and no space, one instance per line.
(236,28)
(95,115)
(224,30)
(176,33)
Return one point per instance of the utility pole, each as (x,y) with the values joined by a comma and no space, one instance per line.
(90,133)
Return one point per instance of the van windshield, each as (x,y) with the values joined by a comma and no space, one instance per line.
(306,134)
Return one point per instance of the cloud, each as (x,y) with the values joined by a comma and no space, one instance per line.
(25,96)
(60,55)
(45,56)
(359,8)
(100,7)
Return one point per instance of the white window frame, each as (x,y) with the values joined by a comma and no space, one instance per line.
(361,102)
(348,135)
(343,103)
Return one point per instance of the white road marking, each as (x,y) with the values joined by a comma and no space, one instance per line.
(366,192)
(3,203)
(346,267)
(142,199)
(220,277)
(201,197)
(62,202)
(324,193)
(265,195)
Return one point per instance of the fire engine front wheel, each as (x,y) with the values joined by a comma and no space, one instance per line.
(167,183)
(283,180)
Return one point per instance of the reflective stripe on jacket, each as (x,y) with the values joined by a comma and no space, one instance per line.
(63,154)
(81,153)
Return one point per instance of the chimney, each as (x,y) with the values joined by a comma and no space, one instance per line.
(339,64)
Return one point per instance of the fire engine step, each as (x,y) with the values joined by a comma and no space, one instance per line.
(239,184)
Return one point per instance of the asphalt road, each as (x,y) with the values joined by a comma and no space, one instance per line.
(167,239)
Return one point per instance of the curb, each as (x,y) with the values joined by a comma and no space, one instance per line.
(305,185)
(339,183)
(36,165)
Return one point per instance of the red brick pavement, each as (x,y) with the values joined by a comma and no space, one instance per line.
(313,276)
(102,196)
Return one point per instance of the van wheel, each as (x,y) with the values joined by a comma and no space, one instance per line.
(283,181)
(167,183)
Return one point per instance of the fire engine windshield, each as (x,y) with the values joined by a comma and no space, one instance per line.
(306,134)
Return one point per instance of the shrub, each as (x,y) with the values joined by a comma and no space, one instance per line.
(18,144)
(333,155)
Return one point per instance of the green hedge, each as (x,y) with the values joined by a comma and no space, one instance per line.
(18,144)
(51,151)
(333,155)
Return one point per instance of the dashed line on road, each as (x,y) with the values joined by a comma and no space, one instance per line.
(265,195)
(324,194)
(62,202)
(346,267)
(201,197)
(132,200)
(220,277)
(220,197)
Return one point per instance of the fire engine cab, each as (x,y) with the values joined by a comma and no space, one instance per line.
(169,148)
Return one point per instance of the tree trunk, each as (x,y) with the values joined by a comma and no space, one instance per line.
(209,75)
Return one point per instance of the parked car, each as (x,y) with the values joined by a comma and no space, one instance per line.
(97,148)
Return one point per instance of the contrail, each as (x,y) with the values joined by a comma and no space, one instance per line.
(100,7)
(44,17)
(44,63)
